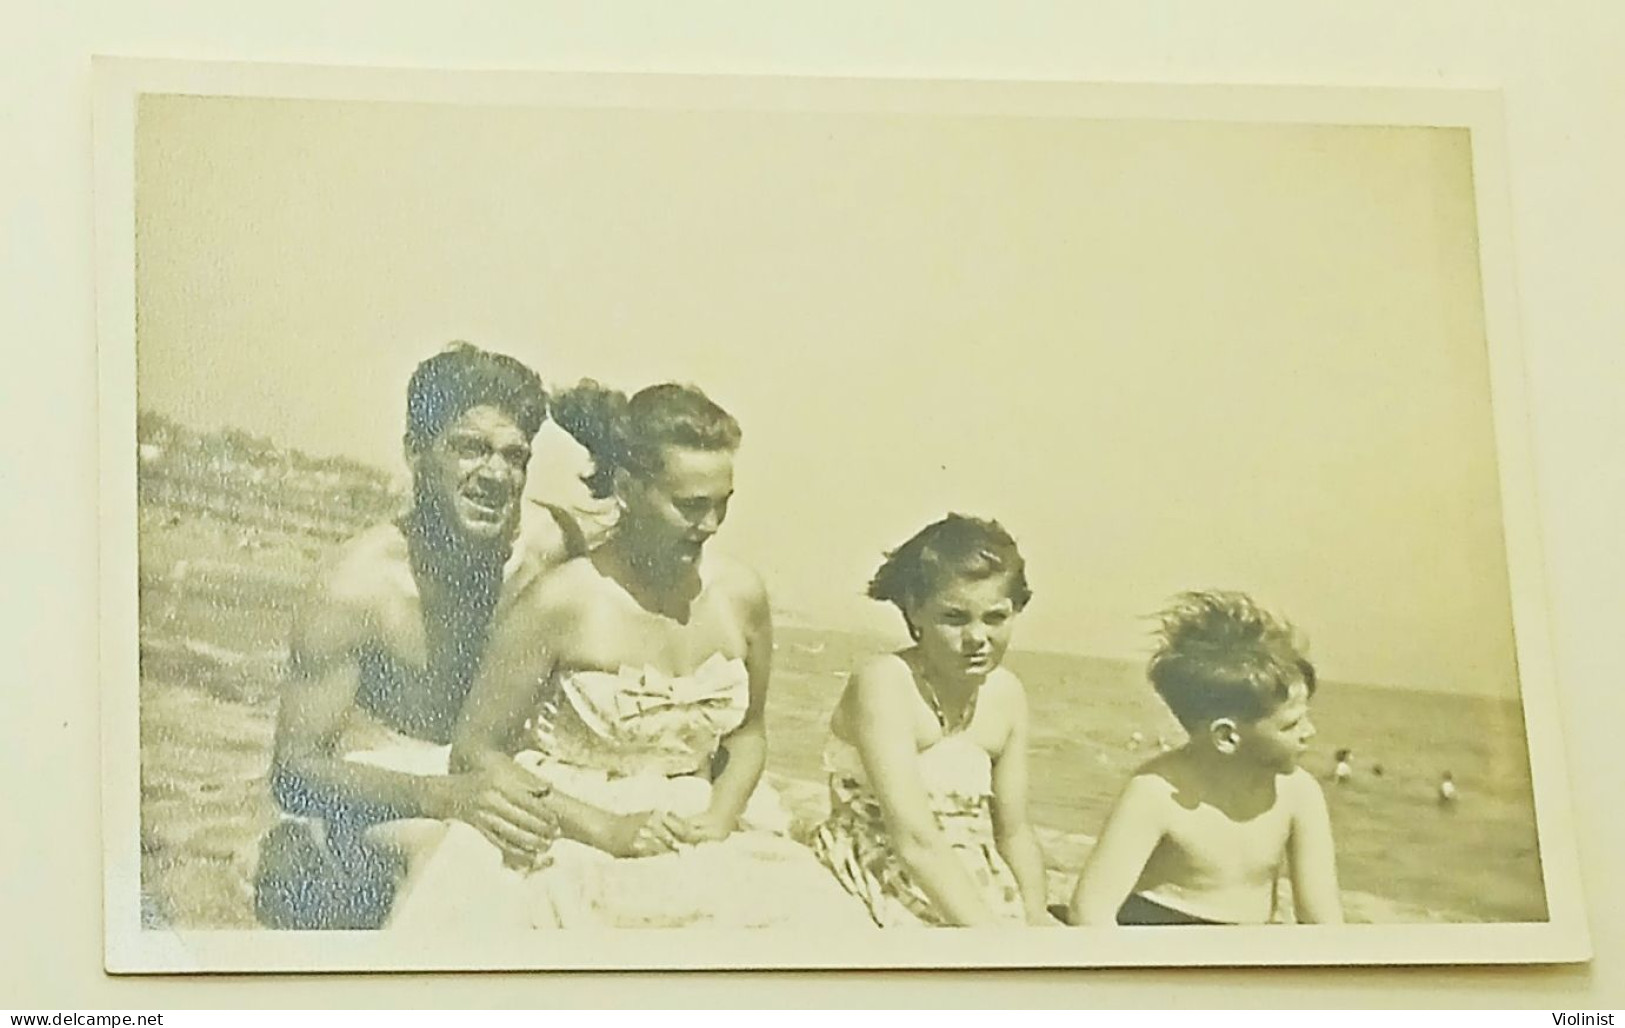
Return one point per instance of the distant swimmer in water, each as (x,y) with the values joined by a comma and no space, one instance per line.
(1344,770)
(1376,770)
(1447,789)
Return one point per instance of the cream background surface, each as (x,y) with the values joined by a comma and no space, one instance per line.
(1564,102)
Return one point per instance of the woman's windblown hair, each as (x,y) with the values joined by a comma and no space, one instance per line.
(594,415)
(631,433)
(958,546)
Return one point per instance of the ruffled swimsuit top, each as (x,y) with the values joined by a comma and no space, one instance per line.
(957,773)
(855,842)
(638,721)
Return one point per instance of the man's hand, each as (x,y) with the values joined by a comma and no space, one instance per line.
(508,805)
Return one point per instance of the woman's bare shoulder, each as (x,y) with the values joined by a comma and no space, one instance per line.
(733,579)
(576,582)
(1003,698)
(1005,687)
(582,571)
(879,686)
(879,681)
(882,670)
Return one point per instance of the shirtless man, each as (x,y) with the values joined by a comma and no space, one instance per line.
(385,646)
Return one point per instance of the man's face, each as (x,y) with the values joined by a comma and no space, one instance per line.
(474,474)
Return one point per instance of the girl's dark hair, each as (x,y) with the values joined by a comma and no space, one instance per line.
(631,433)
(958,546)
(1222,655)
(463,376)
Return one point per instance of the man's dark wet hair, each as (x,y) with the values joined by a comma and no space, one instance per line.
(957,547)
(463,376)
(1221,655)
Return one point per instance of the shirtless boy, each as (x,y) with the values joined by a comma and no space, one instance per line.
(384,648)
(1200,834)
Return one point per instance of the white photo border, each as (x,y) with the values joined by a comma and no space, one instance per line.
(130,948)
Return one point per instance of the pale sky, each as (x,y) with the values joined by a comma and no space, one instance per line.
(1165,355)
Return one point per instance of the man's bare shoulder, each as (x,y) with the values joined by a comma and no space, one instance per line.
(370,567)
(361,581)
(548,535)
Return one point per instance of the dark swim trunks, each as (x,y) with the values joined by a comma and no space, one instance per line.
(1138,910)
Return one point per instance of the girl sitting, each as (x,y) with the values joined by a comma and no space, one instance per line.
(927,756)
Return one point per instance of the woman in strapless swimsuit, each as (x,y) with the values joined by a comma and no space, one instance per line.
(633,682)
(927,756)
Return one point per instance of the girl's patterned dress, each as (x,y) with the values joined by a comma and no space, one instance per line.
(855,844)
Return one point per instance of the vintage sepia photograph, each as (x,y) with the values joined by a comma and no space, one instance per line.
(591,521)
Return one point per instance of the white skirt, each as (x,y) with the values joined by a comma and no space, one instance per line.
(755,878)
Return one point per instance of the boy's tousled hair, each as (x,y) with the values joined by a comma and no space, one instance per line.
(1221,655)
(618,432)
(463,376)
(958,546)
